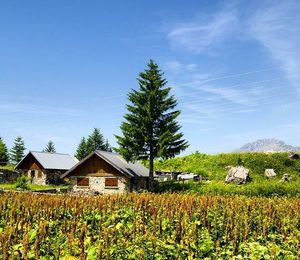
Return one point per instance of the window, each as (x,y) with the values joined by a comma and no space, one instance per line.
(83,182)
(111,183)
(40,174)
(32,174)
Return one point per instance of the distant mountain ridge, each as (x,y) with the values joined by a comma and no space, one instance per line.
(267,145)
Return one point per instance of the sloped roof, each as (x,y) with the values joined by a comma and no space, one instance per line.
(52,161)
(117,161)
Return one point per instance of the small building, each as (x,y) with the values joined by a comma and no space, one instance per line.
(45,168)
(107,173)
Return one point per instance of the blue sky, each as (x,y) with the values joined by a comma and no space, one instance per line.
(66,67)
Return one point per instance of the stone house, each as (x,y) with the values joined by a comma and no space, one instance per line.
(107,173)
(45,168)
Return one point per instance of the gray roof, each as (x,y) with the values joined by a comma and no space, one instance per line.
(117,161)
(54,161)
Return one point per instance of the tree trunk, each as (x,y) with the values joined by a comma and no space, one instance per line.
(151,170)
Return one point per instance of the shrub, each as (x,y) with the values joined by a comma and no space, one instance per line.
(22,183)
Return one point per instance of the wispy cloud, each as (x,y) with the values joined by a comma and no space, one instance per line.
(25,108)
(276,25)
(203,35)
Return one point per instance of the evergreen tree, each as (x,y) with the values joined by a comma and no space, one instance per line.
(4,158)
(50,147)
(107,146)
(150,129)
(95,141)
(81,151)
(17,151)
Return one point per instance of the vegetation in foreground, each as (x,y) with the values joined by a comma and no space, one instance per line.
(148,226)
(213,167)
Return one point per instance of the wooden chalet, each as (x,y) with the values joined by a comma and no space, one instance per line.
(106,172)
(45,168)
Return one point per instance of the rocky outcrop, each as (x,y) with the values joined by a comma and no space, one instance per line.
(270,173)
(238,175)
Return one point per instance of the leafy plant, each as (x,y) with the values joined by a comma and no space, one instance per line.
(22,183)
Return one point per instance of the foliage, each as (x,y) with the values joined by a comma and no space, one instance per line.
(50,147)
(81,151)
(4,158)
(150,129)
(266,188)
(148,226)
(22,183)
(17,151)
(95,141)
(9,167)
(32,187)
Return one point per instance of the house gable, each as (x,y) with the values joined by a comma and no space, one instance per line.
(95,166)
(29,163)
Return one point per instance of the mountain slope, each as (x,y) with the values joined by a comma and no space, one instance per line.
(267,145)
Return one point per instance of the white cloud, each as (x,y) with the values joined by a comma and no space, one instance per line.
(176,67)
(199,36)
(277,27)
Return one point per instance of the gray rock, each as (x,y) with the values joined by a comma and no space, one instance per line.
(285,177)
(270,173)
(238,175)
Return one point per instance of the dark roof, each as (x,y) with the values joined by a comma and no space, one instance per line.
(118,162)
(52,161)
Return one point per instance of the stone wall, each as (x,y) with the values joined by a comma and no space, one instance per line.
(53,177)
(37,177)
(7,176)
(97,184)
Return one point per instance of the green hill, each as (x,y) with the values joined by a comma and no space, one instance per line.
(213,167)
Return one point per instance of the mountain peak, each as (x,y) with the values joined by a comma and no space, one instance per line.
(267,145)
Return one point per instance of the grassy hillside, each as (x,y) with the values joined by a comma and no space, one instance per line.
(213,167)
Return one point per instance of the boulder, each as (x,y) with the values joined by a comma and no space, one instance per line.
(285,177)
(238,175)
(270,173)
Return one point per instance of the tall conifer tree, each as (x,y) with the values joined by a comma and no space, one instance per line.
(50,147)
(150,129)
(4,158)
(81,151)
(95,141)
(17,151)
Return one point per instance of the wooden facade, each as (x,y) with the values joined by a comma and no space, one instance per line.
(96,174)
(37,174)
(96,167)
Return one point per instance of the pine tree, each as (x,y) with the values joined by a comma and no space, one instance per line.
(50,147)
(81,151)
(107,146)
(150,129)
(4,158)
(95,141)
(17,151)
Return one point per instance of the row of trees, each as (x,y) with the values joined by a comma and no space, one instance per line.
(95,141)
(16,153)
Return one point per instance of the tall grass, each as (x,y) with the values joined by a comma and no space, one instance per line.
(148,226)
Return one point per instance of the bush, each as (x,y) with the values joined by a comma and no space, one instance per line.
(22,183)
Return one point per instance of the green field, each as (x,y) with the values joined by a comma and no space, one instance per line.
(213,168)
